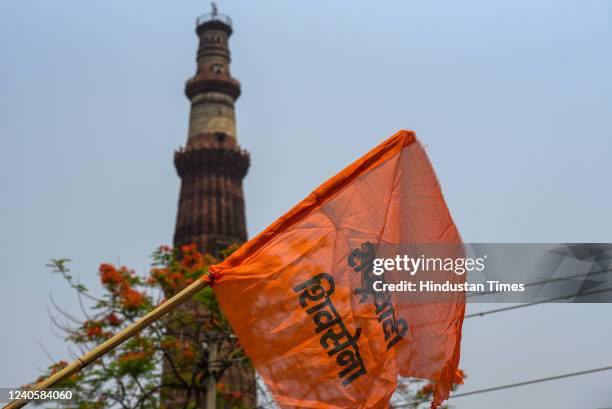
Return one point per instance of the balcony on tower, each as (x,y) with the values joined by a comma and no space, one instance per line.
(213,57)
(214,20)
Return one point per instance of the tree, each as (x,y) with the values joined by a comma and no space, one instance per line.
(130,376)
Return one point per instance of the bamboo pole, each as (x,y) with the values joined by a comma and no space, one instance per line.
(115,341)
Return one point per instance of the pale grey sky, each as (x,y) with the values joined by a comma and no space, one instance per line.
(512,97)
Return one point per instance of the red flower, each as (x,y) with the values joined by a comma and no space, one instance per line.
(133,355)
(188,248)
(113,320)
(110,275)
(93,329)
(131,298)
(192,258)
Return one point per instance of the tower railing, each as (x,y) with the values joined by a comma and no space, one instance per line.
(205,18)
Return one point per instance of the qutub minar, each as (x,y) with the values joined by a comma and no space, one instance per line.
(211,166)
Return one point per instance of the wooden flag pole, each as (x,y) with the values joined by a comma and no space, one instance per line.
(115,341)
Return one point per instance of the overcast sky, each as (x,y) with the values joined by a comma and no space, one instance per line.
(513,99)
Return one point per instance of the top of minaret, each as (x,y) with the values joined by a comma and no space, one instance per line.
(214,21)
(212,90)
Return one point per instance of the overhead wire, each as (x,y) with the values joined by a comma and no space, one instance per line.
(513,385)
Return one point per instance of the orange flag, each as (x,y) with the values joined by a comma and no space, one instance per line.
(294,295)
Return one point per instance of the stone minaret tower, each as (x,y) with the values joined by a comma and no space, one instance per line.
(212,165)
(211,203)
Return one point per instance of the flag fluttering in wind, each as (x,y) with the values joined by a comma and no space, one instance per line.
(295,298)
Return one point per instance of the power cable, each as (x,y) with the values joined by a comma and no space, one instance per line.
(514,385)
(514,307)
(550,280)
